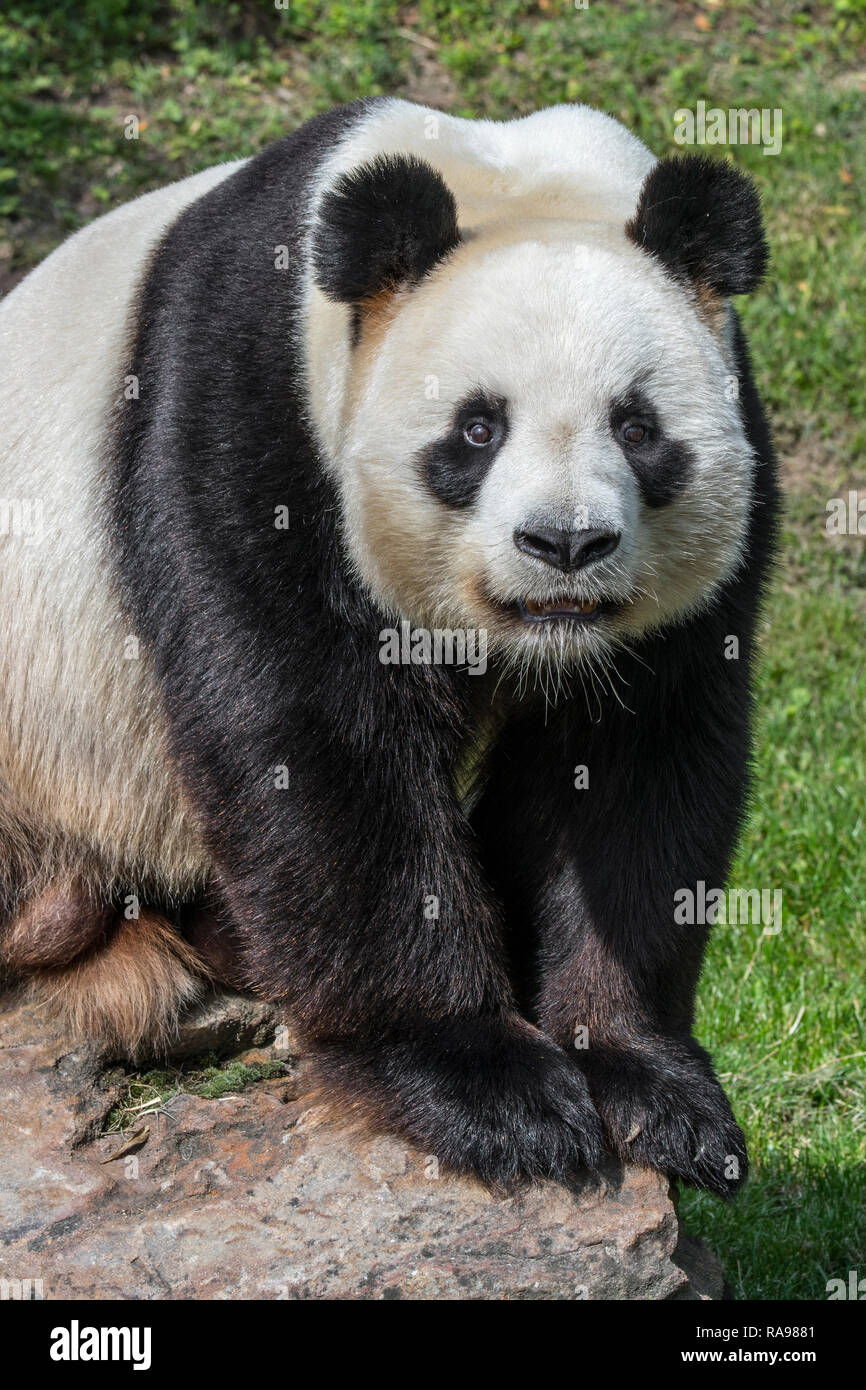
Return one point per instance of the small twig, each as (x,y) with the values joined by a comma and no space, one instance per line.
(419,39)
(749,967)
(733,1074)
(797,1021)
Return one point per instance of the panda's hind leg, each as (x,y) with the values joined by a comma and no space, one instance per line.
(101,976)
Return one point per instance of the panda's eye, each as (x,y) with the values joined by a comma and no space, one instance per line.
(633,432)
(477,433)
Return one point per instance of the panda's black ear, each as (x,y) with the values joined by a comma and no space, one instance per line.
(383,225)
(702,219)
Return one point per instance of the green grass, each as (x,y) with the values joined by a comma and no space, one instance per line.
(213,82)
(145,1093)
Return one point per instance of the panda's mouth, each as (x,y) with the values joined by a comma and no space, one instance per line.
(560,610)
(563,611)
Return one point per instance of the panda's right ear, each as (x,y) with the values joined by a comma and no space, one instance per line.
(381,226)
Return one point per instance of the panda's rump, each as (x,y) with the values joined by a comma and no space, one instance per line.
(85,781)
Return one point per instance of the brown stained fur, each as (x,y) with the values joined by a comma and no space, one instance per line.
(376,314)
(333,1096)
(127,992)
(712,309)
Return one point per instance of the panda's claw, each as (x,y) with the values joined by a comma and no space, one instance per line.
(663,1108)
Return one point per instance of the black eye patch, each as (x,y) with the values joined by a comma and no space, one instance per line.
(662,465)
(455,466)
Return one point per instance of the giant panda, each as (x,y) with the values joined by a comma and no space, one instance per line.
(399,371)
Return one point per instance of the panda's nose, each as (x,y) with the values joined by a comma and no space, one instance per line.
(565,549)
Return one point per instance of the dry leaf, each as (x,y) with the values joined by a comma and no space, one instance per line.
(134,1141)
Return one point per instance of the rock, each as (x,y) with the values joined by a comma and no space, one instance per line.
(262,1194)
(226,1023)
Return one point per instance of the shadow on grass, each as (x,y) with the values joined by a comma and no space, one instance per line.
(789,1231)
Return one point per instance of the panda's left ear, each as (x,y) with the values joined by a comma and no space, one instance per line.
(701,218)
(381,226)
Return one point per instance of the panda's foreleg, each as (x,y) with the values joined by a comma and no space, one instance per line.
(593,874)
(352,885)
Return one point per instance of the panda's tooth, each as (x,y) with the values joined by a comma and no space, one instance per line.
(547,608)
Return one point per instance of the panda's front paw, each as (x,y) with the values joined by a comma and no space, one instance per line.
(491,1097)
(663,1108)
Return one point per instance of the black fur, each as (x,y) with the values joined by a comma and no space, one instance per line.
(266,650)
(702,219)
(662,465)
(453,468)
(381,226)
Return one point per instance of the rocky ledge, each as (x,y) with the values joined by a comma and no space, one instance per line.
(171,1186)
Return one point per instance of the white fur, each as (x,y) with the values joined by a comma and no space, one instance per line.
(82,748)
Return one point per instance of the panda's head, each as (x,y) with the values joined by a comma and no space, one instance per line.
(534,423)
